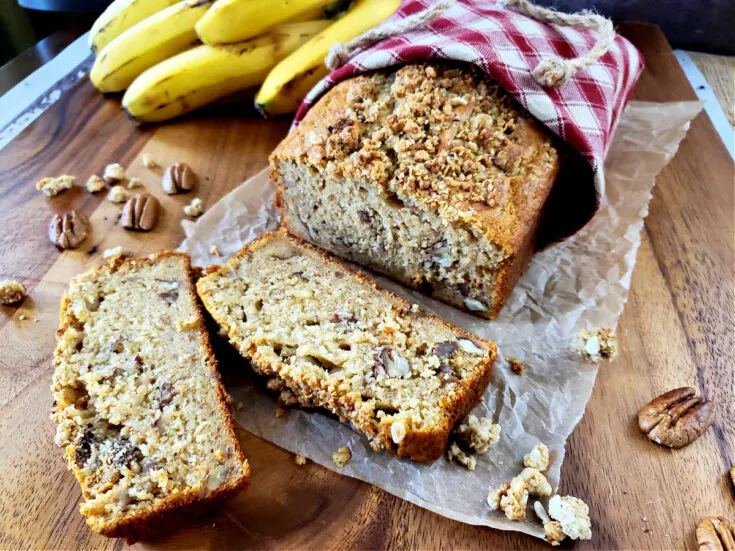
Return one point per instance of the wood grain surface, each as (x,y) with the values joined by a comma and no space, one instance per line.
(677,329)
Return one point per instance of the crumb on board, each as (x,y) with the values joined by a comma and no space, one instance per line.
(113,252)
(11,291)
(195,208)
(342,456)
(280,411)
(117,194)
(214,250)
(300,460)
(56,184)
(113,173)
(573,515)
(598,344)
(148,161)
(516,365)
(477,433)
(510,498)
(554,534)
(134,183)
(22,317)
(94,184)
(239,406)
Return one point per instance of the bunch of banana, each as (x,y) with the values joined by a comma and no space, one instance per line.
(119,17)
(362,15)
(156,38)
(207,73)
(153,49)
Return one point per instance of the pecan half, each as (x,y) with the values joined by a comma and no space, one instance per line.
(69,230)
(676,418)
(715,534)
(178,178)
(140,213)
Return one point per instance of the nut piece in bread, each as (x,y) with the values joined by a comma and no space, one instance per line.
(430,174)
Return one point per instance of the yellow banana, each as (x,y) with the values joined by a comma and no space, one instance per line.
(363,15)
(291,95)
(158,37)
(236,20)
(119,17)
(206,73)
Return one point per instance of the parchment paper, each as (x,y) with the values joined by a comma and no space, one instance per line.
(579,283)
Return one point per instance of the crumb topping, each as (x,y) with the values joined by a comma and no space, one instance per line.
(55,184)
(573,515)
(443,134)
(342,456)
(598,344)
(537,458)
(11,291)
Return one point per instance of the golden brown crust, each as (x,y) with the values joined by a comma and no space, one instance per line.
(420,445)
(138,526)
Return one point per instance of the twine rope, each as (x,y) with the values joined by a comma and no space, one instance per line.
(551,72)
(555,71)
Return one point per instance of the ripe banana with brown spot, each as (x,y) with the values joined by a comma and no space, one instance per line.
(236,20)
(293,93)
(119,17)
(362,15)
(206,73)
(147,43)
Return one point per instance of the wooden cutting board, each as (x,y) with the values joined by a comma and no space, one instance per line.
(677,329)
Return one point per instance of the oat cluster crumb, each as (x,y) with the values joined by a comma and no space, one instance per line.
(573,515)
(598,344)
(214,250)
(239,406)
(457,454)
(478,433)
(114,173)
(510,498)
(94,184)
(300,460)
(516,365)
(554,534)
(342,456)
(536,482)
(11,291)
(113,252)
(118,194)
(135,183)
(149,162)
(537,458)
(195,208)
(56,184)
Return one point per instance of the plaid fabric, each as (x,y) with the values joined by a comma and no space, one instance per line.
(507,46)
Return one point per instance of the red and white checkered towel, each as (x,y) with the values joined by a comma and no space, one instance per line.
(507,46)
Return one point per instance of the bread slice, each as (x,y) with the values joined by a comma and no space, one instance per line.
(328,337)
(139,404)
(428,173)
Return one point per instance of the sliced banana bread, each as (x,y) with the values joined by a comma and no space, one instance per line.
(139,404)
(330,338)
(430,174)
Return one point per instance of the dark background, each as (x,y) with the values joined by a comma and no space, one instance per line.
(707,26)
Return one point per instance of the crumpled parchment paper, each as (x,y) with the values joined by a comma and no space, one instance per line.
(581,283)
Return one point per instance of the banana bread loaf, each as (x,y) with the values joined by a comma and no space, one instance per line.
(430,174)
(328,337)
(138,401)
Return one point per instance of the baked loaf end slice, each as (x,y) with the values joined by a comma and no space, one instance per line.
(328,337)
(430,174)
(139,404)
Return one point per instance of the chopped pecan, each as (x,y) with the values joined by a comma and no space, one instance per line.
(676,418)
(140,213)
(715,534)
(178,178)
(69,230)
